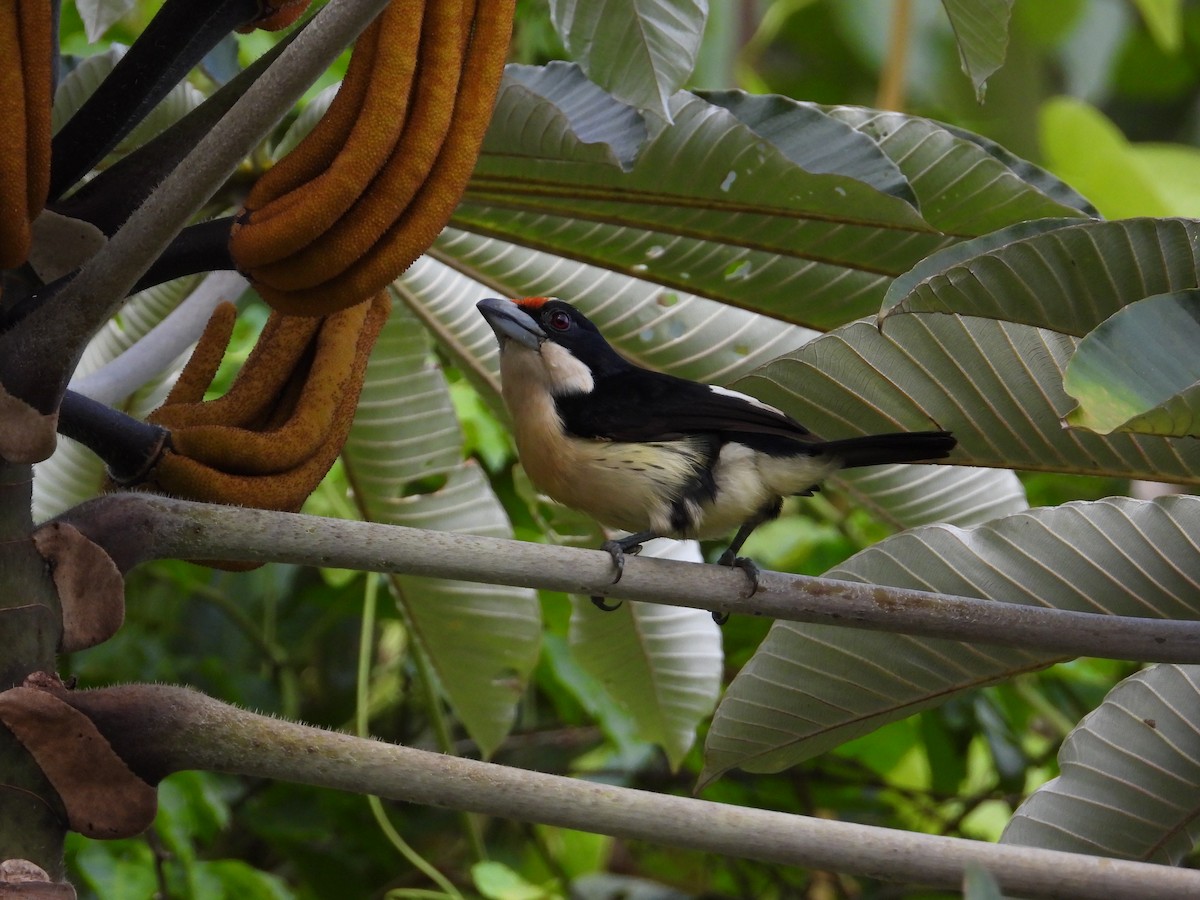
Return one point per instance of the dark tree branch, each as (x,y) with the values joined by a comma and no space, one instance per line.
(128,446)
(172,44)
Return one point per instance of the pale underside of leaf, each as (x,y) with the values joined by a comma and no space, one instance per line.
(662,664)
(671,331)
(482,640)
(996,386)
(1130,776)
(809,688)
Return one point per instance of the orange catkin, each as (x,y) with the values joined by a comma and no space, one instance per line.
(37,56)
(277,461)
(317,150)
(14,202)
(293,221)
(421,221)
(437,82)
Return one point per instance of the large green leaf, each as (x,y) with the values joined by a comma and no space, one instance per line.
(661,664)
(996,385)
(707,207)
(981,30)
(943,260)
(815,140)
(1138,370)
(403,462)
(1130,776)
(641,51)
(812,687)
(1070,279)
(765,203)
(1086,148)
(965,184)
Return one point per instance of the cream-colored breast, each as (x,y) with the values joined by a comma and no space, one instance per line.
(622,485)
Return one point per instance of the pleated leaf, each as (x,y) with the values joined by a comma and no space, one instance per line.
(661,664)
(906,496)
(997,386)
(709,206)
(965,184)
(672,331)
(1130,776)
(1121,386)
(403,462)
(981,31)
(814,140)
(810,687)
(641,51)
(1070,279)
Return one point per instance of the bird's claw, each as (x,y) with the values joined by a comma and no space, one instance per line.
(747,565)
(618,552)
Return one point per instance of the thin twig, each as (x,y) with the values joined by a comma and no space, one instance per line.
(895,65)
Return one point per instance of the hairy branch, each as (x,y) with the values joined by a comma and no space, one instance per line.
(158,729)
(134,528)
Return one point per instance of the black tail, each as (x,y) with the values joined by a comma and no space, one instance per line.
(901,447)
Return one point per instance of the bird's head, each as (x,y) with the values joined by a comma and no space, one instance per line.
(550,341)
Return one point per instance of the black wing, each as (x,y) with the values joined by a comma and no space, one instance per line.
(641,405)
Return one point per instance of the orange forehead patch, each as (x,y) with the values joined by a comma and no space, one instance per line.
(531,302)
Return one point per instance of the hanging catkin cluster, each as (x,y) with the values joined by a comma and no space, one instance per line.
(369,188)
(270,439)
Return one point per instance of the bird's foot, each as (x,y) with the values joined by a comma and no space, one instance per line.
(747,565)
(618,550)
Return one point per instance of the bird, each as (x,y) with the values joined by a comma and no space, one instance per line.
(653,454)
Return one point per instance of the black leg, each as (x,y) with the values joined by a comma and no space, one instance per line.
(631,545)
(747,565)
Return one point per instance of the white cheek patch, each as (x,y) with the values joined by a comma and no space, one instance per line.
(753,401)
(564,373)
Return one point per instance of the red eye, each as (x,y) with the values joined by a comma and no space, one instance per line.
(558,320)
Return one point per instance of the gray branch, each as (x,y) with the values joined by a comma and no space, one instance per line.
(134,528)
(160,729)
